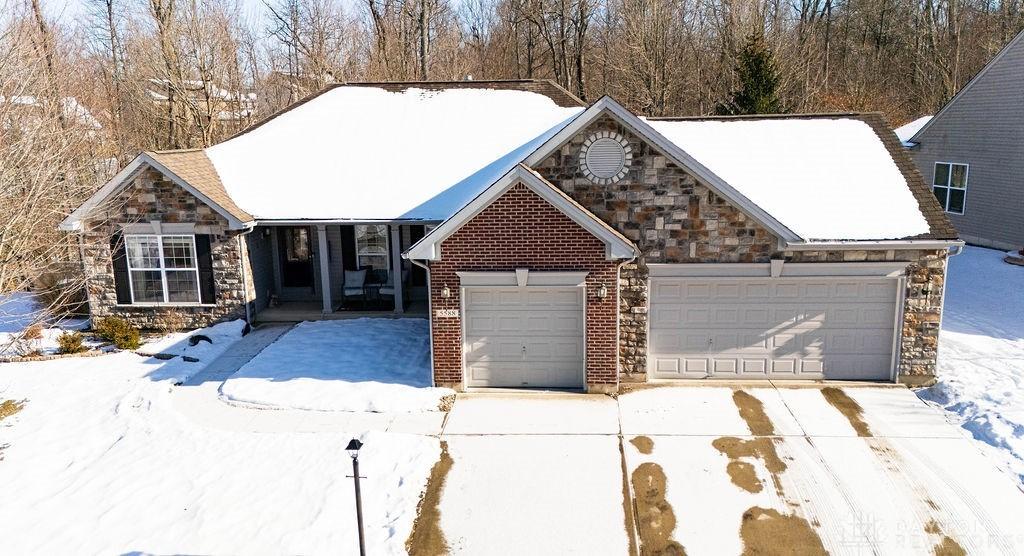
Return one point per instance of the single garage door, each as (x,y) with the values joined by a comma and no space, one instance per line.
(528,337)
(772,328)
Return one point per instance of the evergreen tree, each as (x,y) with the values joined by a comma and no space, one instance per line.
(759,81)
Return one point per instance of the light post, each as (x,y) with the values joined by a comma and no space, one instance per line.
(353,450)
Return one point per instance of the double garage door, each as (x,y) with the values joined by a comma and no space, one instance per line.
(528,337)
(834,328)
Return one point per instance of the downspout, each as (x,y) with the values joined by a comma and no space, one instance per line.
(430,320)
(245,282)
(953,251)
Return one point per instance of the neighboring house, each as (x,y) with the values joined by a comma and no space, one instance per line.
(551,244)
(972,153)
(209,100)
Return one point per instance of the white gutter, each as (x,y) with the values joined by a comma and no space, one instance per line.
(873,245)
(313,221)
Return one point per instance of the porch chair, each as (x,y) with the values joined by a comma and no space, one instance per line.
(354,286)
(389,288)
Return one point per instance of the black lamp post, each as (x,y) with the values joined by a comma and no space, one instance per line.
(353,450)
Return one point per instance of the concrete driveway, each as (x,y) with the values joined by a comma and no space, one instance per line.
(720,470)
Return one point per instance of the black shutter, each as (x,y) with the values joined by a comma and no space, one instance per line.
(207,293)
(120,260)
(348,248)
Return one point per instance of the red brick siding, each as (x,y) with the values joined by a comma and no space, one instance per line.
(522,230)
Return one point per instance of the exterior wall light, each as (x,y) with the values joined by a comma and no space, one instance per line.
(445,292)
(602,291)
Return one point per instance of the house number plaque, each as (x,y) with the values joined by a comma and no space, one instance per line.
(447,313)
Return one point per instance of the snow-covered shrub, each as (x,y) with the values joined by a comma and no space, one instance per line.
(34,332)
(70,342)
(118,331)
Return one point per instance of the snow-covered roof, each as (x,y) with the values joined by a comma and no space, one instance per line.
(70,106)
(905,132)
(365,153)
(824,178)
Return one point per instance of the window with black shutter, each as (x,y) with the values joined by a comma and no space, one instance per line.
(163,269)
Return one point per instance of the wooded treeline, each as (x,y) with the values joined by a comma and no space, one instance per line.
(186,73)
(79,99)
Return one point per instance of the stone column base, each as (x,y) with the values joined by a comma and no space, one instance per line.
(457,386)
(917,381)
(602,388)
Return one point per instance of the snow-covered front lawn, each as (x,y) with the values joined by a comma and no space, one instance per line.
(367,364)
(981,354)
(99,461)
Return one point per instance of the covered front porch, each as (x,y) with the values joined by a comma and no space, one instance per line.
(319,271)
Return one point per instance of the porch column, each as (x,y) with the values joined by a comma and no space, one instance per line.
(396,267)
(325,269)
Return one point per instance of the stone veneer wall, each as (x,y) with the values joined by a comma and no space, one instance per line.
(674,219)
(151,196)
(668,215)
(521,230)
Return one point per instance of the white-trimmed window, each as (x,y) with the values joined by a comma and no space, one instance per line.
(950,186)
(372,246)
(162,268)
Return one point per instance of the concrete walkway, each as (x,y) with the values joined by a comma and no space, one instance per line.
(239,354)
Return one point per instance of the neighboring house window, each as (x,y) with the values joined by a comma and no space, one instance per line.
(372,246)
(162,268)
(950,186)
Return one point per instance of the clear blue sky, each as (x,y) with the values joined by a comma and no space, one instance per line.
(68,11)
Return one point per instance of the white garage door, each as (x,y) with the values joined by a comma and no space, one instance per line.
(525,337)
(772,328)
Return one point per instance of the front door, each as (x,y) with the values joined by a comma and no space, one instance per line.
(296,257)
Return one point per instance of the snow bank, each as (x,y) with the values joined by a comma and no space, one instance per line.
(99,462)
(222,336)
(368,364)
(821,178)
(981,354)
(364,153)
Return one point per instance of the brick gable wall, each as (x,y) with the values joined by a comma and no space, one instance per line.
(522,230)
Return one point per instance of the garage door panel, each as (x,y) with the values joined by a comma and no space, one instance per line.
(524,337)
(676,367)
(803,328)
(755,367)
(553,349)
(666,315)
(756,291)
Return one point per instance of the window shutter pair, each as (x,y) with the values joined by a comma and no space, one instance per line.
(119,256)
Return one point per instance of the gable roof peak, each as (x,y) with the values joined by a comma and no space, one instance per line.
(1016,41)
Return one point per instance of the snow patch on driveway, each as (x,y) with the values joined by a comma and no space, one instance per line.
(534,494)
(367,364)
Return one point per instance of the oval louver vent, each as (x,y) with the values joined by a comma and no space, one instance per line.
(604,157)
